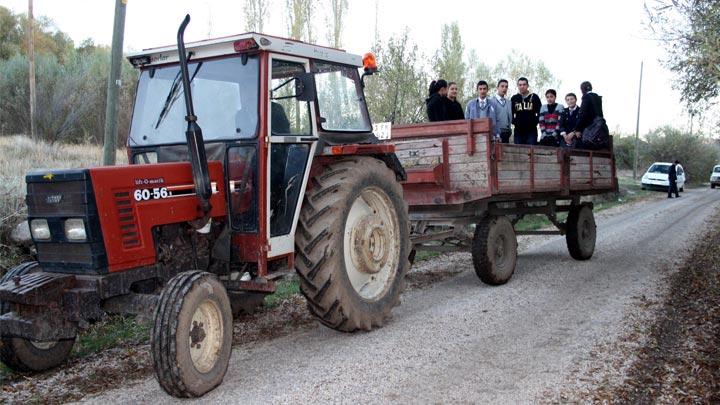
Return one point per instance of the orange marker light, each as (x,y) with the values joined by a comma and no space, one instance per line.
(369,62)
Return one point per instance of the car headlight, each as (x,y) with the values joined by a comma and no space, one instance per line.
(39,229)
(75,229)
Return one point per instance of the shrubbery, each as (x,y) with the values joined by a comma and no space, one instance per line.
(697,153)
(71,85)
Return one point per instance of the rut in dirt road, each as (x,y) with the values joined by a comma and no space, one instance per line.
(461,340)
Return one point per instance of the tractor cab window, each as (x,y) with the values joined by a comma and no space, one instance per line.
(288,115)
(225,97)
(340,98)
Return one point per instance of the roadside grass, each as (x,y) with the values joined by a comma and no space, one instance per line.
(20,154)
(113,332)
(285,288)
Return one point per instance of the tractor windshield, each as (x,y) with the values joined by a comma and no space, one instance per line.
(225,97)
(340,98)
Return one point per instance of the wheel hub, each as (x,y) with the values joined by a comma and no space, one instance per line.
(197,334)
(370,251)
(205,336)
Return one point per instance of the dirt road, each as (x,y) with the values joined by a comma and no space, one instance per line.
(463,341)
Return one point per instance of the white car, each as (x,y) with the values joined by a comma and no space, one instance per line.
(656,177)
(715,177)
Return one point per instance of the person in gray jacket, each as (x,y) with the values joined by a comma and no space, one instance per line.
(503,111)
(481,107)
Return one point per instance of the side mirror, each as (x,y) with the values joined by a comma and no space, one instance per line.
(305,87)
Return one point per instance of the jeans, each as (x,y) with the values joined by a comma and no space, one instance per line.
(673,189)
(526,136)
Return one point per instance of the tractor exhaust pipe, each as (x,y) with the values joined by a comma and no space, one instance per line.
(193,134)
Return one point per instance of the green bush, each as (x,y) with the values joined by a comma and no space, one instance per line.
(697,153)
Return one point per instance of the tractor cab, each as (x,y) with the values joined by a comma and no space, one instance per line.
(265,105)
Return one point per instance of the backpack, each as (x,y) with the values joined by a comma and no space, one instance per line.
(596,135)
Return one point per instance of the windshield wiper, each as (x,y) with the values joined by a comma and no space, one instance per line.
(174,94)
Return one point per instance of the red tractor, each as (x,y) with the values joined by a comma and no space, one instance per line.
(285,175)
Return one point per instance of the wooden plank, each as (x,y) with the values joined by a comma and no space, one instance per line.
(580,160)
(465,184)
(462,149)
(465,158)
(480,167)
(420,144)
(509,175)
(523,166)
(413,153)
(418,161)
(547,166)
(546,159)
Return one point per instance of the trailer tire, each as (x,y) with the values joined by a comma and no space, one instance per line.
(23,354)
(193,310)
(494,250)
(581,232)
(353,244)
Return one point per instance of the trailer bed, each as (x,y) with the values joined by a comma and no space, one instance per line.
(456,163)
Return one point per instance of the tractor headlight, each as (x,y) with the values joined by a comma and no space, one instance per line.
(39,229)
(75,229)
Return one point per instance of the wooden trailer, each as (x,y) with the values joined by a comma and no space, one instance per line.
(467,192)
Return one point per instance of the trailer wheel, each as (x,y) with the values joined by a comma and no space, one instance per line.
(494,250)
(26,355)
(192,335)
(581,232)
(353,244)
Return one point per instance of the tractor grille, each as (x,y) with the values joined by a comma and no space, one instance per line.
(126,217)
(57,196)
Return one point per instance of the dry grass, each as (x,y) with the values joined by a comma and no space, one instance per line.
(18,155)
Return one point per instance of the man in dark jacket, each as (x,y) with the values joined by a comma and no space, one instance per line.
(672,177)
(590,108)
(526,110)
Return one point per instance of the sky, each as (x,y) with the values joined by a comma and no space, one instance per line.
(600,41)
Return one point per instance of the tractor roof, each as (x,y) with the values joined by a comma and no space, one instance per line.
(243,42)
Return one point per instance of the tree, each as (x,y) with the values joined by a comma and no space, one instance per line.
(690,31)
(517,64)
(338,8)
(448,62)
(255,14)
(300,13)
(695,152)
(476,71)
(397,92)
(10,35)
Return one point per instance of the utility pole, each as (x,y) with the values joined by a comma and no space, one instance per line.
(31,66)
(637,127)
(114,84)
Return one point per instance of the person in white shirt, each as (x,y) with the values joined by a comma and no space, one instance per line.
(569,116)
(503,111)
(481,107)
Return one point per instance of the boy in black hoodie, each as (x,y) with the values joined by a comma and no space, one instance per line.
(526,111)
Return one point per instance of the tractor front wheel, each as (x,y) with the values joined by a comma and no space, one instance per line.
(353,244)
(26,355)
(192,335)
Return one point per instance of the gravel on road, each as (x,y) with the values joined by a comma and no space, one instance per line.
(462,341)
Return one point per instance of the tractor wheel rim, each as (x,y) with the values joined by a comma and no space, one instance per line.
(585,230)
(43,345)
(371,243)
(206,336)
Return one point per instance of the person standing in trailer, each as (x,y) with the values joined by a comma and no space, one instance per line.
(526,112)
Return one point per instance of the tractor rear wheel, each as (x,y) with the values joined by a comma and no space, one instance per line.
(494,250)
(26,355)
(353,244)
(192,335)
(581,232)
